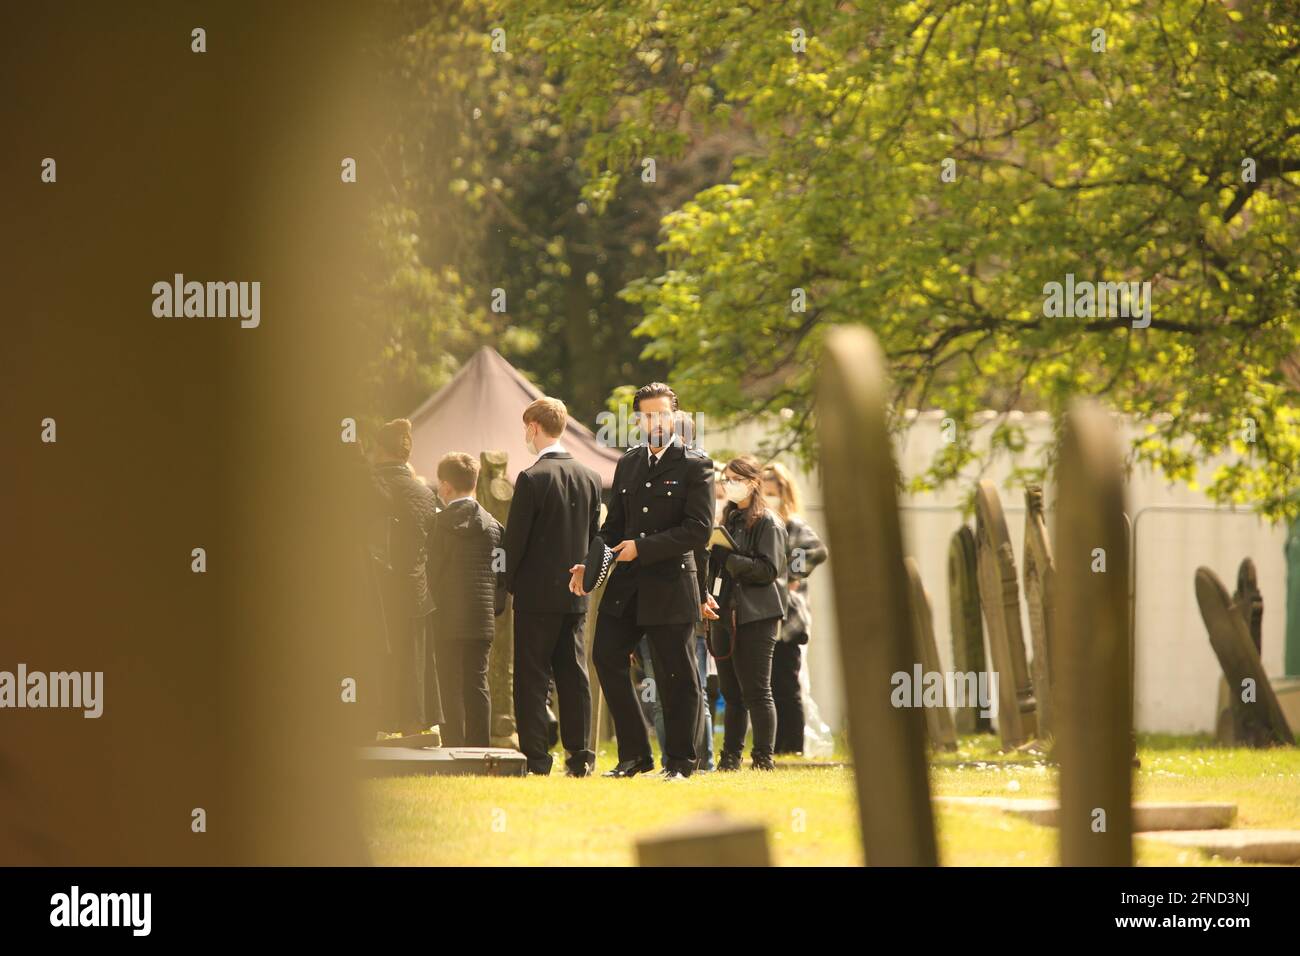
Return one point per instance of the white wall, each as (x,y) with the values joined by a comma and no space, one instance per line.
(1177,531)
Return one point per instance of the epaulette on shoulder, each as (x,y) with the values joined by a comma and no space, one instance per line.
(633,450)
(697,452)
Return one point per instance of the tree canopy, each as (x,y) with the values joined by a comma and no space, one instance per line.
(926,169)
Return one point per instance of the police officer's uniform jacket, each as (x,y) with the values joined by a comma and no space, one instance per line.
(668,511)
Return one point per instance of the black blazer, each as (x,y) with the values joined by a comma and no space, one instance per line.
(669,513)
(553,516)
(752,579)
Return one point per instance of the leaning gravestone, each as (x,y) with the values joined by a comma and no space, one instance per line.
(938,719)
(494,494)
(1000,598)
(1094,724)
(873,609)
(1040,595)
(1256,713)
(965,623)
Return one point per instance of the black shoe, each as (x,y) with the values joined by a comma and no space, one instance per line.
(729,761)
(669,773)
(672,776)
(761,761)
(630,768)
(583,770)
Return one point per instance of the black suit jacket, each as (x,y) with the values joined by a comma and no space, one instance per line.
(553,517)
(669,513)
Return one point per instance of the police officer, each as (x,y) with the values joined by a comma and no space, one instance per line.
(659,521)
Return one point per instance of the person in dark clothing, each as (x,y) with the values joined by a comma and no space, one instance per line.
(658,525)
(369,516)
(401,555)
(805,552)
(467,578)
(750,589)
(554,515)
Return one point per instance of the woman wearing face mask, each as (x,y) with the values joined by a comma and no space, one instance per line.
(749,585)
(806,551)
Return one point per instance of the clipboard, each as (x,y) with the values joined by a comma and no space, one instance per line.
(721,539)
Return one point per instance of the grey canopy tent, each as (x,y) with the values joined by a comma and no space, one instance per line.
(481,409)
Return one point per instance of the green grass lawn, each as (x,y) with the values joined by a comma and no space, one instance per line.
(809,812)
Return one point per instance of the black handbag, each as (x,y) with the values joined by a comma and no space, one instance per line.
(721,637)
(798,620)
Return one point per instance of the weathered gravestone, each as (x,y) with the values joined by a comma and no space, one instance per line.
(1257,716)
(938,719)
(1040,596)
(965,623)
(1250,602)
(1000,598)
(873,607)
(1228,728)
(494,494)
(1094,723)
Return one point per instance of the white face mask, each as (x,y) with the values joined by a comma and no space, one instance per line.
(773,502)
(530,444)
(736,491)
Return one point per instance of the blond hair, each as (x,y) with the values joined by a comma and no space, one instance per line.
(550,415)
(786,489)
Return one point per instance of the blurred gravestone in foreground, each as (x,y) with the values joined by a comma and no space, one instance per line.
(710,839)
(873,609)
(1094,678)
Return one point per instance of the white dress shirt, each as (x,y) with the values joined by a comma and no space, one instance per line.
(652,457)
(553,447)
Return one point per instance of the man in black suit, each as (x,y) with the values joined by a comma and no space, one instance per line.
(659,521)
(553,517)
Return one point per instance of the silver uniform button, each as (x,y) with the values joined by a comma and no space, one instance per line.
(670,494)
(643,534)
(647,484)
(645,509)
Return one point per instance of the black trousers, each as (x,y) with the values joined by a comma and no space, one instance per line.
(432,689)
(549,645)
(788,697)
(672,649)
(406,673)
(746,681)
(466,703)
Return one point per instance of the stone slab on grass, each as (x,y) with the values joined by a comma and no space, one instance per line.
(1249,846)
(1146,816)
